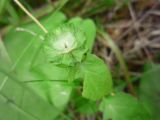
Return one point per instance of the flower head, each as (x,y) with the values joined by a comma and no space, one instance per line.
(65,45)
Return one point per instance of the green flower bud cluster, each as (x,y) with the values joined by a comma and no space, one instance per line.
(65,45)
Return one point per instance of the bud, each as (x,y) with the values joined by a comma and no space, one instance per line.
(65,45)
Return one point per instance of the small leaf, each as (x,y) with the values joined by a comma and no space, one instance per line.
(150,90)
(85,106)
(97,78)
(123,107)
(90,33)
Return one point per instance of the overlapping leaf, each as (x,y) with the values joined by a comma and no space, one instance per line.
(97,79)
(123,107)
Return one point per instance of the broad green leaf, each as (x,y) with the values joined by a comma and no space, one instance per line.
(123,107)
(17,101)
(5,61)
(97,78)
(30,75)
(35,76)
(150,89)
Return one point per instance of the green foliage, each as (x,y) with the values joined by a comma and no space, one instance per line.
(49,81)
(97,79)
(43,74)
(17,101)
(123,107)
(90,34)
(102,5)
(150,89)
(109,3)
(85,106)
(24,72)
(4,57)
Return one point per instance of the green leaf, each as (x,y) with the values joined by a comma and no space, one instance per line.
(97,78)
(90,33)
(85,106)
(5,61)
(123,107)
(150,90)
(17,101)
(60,94)
(34,75)
(16,41)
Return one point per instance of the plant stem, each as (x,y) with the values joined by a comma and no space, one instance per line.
(31,16)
